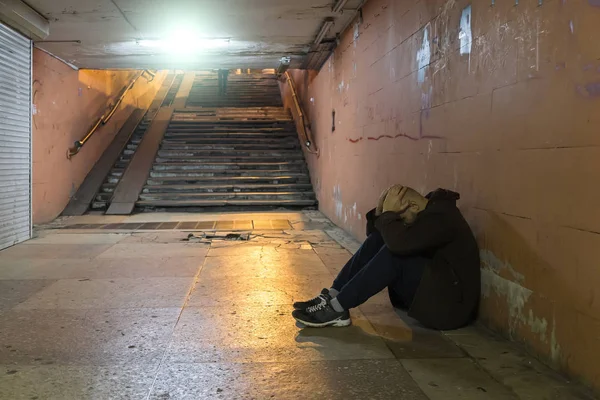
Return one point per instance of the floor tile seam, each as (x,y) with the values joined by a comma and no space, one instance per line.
(390,359)
(487,372)
(416,384)
(172,334)
(86,279)
(91,309)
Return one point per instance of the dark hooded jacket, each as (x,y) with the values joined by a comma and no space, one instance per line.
(448,295)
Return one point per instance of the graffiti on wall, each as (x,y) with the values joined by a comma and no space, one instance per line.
(465,34)
(423,56)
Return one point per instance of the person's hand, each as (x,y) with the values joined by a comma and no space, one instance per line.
(394,200)
(379,209)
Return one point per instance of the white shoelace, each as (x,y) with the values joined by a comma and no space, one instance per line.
(317,307)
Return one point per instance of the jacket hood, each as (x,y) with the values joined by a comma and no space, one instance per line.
(443,195)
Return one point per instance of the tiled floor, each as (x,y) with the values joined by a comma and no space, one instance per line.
(118,313)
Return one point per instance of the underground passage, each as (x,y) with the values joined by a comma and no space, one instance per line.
(345,199)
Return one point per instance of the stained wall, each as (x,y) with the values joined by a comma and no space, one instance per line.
(66,103)
(500,102)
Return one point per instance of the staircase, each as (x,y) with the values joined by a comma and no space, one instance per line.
(104,196)
(245,90)
(108,187)
(218,157)
(240,149)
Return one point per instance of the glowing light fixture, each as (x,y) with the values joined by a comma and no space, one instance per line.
(184,42)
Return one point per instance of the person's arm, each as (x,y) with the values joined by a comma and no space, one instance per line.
(428,232)
(371,218)
(376,212)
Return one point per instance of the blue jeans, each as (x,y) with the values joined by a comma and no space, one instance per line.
(372,269)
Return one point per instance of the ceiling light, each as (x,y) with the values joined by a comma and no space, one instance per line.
(324,29)
(339,6)
(184,42)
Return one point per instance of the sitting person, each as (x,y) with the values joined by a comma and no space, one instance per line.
(422,250)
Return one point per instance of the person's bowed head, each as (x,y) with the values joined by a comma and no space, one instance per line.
(401,200)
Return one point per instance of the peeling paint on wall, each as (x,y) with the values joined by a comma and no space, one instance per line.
(515,295)
(538,326)
(423,56)
(493,263)
(465,34)
(516,298)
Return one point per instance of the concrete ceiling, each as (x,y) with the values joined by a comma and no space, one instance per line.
(141,33)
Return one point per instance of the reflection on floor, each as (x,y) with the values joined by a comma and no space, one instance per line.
(107,308)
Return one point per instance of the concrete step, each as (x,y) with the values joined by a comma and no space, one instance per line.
(229,126)
(229,166)
(225,172)
(229,196)
(107,188)
(103,197)
(219,160)
(99,205)
(224,159)
(229,180)
(231,188)
(117,172)
(233,122)
(226,202)
(225,135)
(179,153)
(216,101)
(125,158)
(285,147)
(231,147)
(200,141)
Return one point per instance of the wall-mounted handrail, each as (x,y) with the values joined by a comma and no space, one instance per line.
(305,130)
(103,120)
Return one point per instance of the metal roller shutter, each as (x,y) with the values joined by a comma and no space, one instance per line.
(15,137)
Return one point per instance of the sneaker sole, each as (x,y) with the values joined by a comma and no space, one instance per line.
(338,323)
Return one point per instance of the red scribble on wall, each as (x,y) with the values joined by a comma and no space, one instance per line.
(395,137)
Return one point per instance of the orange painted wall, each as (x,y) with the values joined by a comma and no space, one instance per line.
(66,103)
(513,125)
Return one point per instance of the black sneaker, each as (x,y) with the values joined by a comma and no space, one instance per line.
(303,305)
(322,314)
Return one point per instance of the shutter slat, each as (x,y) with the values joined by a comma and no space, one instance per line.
(15,137)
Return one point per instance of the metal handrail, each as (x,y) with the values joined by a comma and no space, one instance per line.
(306,133)
(103,120)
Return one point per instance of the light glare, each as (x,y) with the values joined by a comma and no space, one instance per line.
(184,42)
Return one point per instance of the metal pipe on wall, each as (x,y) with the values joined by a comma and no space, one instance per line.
(103,120)
(307,135)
